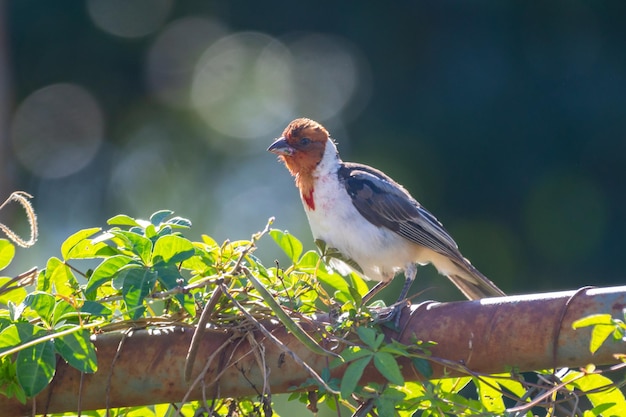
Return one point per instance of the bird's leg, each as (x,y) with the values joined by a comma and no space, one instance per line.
(409,273)
(375,290)
(394,315)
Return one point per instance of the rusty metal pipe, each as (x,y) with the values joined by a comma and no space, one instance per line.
(488,336)
(526,332)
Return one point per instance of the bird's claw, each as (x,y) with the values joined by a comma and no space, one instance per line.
(391,316)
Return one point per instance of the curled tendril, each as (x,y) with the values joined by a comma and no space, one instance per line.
(21,198)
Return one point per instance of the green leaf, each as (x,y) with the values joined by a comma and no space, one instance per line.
(117,283)
(150,232)
(354,295)
(352,375)
(43,281)
(169,276)
(58,278)
(423,366)
(370,337)
(288,243)
(611,395)
(388,367)
(386,403)
(321,245)
(329,253)
(74,239)
(257,266)
(90,249)
(334,280)
(15,295)
(286,319)
(396,349)
(490,396)
(137,244)
(385,407)
(77,349)
(5,321)
(95,309)
(512,385)
(35,367)
(138,283)
(7,252)
(172,248)
(359,284)
(592,320)
(179,223)
(42,303)
(452,385)
(210,242)
(15,311)
(599,410)
(140,230)
(63,311)
(309,260)
(599,334)
(158,217)
(105,272)
(8,381)
(122,220)
(18,334)
(353,353)
(164,230)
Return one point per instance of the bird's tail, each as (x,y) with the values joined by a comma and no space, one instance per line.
(472,283)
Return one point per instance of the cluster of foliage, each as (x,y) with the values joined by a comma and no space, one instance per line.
(140,273)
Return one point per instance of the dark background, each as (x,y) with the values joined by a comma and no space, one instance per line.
(506,119)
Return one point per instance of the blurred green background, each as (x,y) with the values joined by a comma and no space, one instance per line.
(507,120)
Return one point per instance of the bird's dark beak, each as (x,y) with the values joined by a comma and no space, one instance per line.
(281,147)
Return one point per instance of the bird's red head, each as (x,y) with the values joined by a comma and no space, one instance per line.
(301,147)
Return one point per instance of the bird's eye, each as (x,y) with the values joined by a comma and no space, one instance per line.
(305,141)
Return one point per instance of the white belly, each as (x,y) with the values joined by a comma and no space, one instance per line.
(378,251)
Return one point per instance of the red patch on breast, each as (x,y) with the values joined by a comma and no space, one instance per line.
(307,197)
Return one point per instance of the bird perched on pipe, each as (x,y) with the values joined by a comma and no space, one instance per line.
(377,227)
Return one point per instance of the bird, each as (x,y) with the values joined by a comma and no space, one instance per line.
(374,225)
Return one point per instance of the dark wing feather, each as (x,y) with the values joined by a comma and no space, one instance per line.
(385,203)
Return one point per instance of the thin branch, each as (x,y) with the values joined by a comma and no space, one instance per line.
(115,358)
(22,280)
(207,365)
(213,300)
(280,344)
(195,339)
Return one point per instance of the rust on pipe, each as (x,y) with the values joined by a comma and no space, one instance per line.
(526,332)
(488,336)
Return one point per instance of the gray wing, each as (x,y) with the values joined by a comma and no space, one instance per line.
(385,203)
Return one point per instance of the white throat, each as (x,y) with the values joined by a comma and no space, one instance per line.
(330,160)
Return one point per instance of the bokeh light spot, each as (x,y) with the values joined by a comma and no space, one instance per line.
(129,18)
(173,57)
(248,85)
(327,73)
(235,92)
(566,216)
(57,130)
